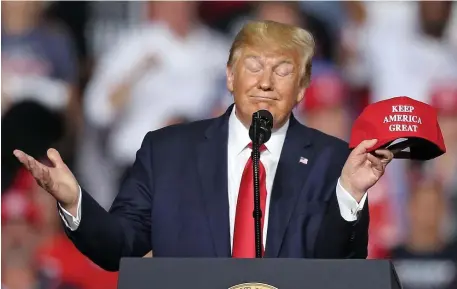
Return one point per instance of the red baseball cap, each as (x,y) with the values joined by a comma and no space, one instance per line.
(17,202)
(17,205)
(403,119)
(325,91)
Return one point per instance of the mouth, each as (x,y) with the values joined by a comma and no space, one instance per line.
(264,98)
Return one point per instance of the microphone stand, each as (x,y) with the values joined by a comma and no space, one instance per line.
(257,213)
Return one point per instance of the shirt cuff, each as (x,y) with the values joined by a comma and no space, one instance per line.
(349,208)
(69,220)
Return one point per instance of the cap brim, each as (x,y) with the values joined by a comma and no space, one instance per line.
(422,149)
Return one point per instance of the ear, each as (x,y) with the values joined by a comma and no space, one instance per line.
(230,78)
(301,94)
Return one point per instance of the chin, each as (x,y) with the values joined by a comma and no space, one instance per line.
(262,104)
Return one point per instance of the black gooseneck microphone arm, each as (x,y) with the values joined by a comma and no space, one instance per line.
(257,213)
(260,133)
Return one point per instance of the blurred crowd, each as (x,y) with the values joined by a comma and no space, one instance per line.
(91,78)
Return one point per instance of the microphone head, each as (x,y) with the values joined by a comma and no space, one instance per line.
(266,116)
(262,123)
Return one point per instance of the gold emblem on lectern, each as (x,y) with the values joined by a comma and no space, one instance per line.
(253,286)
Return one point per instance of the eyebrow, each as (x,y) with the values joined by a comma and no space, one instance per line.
(284,61)
(252,57)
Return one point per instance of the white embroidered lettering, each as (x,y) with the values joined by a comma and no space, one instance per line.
(403,122)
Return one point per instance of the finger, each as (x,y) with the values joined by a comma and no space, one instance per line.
(47,183)
(395,148)
(385,155)
(55,158)
(22,157)
(34,167)
(40,172)
(403,155)
(364,146)
(375,162)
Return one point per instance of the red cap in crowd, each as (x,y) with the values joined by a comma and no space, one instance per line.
(444,99)
(400,118)
(17,202)
(17,205)
(325,91)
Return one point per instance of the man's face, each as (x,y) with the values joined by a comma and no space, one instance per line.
(19,240)
(281,12)
(268,80)
(23,8)
(434,16)
(427,209)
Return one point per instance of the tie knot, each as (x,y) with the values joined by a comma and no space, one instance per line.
(262,148)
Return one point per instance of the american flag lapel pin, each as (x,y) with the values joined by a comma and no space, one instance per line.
(303,160)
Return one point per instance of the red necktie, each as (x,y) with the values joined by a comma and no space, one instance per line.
(243,236)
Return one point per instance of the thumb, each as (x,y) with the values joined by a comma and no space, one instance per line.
(55,158)
(364,146)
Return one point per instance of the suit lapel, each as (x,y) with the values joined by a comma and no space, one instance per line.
(212,169)
(289,179)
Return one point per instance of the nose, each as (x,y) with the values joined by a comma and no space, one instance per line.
(266,81)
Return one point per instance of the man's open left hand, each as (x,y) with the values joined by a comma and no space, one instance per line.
(362,169)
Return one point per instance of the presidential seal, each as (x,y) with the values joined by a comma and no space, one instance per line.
(253,286)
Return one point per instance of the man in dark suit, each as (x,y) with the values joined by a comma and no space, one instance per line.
(189,192)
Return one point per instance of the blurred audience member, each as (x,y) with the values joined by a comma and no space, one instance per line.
(74,15)
(324,106)
(427,259)
(444,168)
(39,68)
(399,48)
(283,12)
(444,98)
(20,238)
(434,17)
(384,227)
(452,27)
(330,12)
(49,249)
(221,14)
(28,125)
(57,253)
(290,12)
(167,67)
(37,58)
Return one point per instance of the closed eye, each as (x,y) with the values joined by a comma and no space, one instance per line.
(284,69)
(253,65)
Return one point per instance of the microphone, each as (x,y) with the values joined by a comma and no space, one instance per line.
(260,133)
(260,130)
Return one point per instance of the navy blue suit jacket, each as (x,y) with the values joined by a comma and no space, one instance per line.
(174,200)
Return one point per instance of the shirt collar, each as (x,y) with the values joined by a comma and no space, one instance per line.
(239,136)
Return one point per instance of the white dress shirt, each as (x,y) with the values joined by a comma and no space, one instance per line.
(238,154)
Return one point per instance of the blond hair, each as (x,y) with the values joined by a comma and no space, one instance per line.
(276,35)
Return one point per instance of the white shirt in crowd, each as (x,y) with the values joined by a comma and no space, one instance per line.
(238,154)
(182,82)
(395,57)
